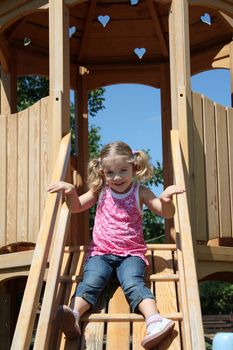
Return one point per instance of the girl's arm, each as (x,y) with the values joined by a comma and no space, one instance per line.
(75,203)
(162,205)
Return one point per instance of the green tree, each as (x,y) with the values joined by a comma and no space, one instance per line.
(30,89)
(216,297)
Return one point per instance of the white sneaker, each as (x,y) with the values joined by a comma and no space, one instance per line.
(162,329)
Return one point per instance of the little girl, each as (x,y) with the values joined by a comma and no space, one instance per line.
(117,245)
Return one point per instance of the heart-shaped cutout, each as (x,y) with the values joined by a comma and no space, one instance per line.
(140,51)
(134,2)
(206,18)
(72,31)
(104,20)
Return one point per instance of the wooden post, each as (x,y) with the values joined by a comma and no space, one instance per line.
(181,90)
(59,73)
(166,128)
(231,71)
(9,87)
(82,123)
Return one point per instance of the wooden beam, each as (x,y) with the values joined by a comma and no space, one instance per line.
(181,86)
(59,72)
(166,129)
(16,260)
(15,9)
(84,41)
(210,253)
(181,95)
(216,4)
(4,54)
(9,86)
(75,2)
(157,26)
(227,20)
(82,122)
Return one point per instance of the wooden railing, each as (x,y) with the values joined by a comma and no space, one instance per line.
(183,229)
(25,323)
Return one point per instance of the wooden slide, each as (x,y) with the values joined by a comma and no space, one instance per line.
(172,278)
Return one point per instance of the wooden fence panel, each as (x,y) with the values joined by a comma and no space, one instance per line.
(223,171)
(213,168)
(25,170)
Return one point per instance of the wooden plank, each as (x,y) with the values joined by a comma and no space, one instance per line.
(3,178)
(55,335)
(230,150)
(44,325)
(76,269)
(88,23)
(12,142)
(210,253)
(157,27)
(190,275)
(225,6)
(139,332)
(16,260)
(23,173)
(182,302)
(15,10)
(93,332)
(199,168)
(45,165)
(211,168)
(118,334)
(59,68)
(223,171)
(166,296)
(34,172)
(5,98)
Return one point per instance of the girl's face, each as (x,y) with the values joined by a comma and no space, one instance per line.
(118,172)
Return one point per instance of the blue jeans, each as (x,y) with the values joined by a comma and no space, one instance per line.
(129,270)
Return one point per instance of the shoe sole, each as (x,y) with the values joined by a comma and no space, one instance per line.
(66,322)
(152,340)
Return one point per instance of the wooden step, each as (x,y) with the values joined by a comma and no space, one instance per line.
(152,278)
(152,247)
(121,317)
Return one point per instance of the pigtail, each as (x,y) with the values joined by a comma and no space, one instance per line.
(143,168)
(95,175)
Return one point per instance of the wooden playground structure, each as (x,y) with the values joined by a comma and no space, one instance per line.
(83,45)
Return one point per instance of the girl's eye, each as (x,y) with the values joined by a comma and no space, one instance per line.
(109,173)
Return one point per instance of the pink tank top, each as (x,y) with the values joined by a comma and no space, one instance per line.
(118,224)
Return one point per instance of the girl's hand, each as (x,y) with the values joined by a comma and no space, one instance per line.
(66,187)
(166,195)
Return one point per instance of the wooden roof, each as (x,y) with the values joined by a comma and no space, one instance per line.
(24,34)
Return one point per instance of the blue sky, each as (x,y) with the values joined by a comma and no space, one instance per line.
(132,112)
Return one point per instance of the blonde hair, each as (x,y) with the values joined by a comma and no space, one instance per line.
(143,170)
